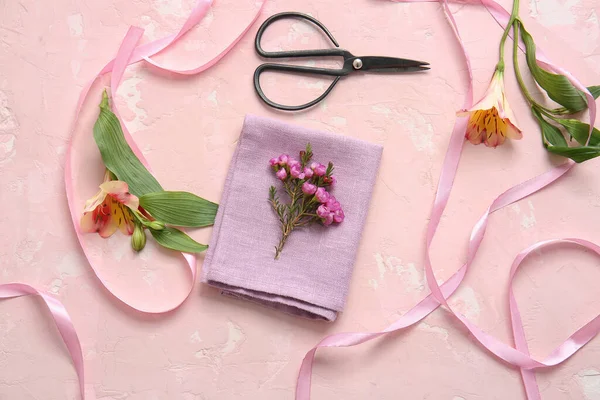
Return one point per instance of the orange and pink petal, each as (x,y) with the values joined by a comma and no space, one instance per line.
(107,229)
(122,217)
(97,200)
(88,223)
(512,132)
(119,191)
(94,220)
(473,134)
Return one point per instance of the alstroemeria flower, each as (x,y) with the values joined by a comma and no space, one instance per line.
(491,120)
(109,210)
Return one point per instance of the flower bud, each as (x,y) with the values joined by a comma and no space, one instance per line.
(292,162)
(281,174)
(308,188)
(283,159)
(338,216)
(330,180)
(322,195)
(296,171)
(156,225)
(138,239)
(319,170)
(333,204)
(323,211)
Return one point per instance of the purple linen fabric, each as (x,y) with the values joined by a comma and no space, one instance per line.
(312,275)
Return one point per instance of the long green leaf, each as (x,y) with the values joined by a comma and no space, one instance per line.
(580,131)
(558,87)
(594,90)
(577,154)
(551,134)
(118,156)
(175,239)
(180,208)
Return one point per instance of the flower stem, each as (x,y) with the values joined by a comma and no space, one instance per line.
(514,15)
(287,229)
(530,99)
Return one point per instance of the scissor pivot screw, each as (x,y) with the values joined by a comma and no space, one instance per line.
(357,63)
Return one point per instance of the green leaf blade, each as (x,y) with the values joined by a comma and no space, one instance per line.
(594,90)
(558,87)
(580,131)
(174,239)
(180,208)
(577,154)
(551,134)
(118,156)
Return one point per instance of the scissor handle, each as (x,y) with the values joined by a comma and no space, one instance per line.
(297,53)
(337,73)
(297,69)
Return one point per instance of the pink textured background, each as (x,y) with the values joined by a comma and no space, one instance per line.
(219,348)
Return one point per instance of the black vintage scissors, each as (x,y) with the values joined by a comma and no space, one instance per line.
(351,63)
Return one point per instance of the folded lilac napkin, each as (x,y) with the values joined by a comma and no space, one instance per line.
(312,275)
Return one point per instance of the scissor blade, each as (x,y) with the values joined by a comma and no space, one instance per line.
(392,64)
(397,70)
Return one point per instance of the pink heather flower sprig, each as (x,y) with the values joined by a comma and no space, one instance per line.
(306,184)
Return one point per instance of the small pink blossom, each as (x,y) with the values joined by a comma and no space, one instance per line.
(320,170)
(329,214)
(296,171)
(323,211)
(308,173)
(283,159)
(281,174)
(292,162)
(328,219)
(322,195)
(273,161)
(308,188)
(333,204)
(338,216)
(331,180)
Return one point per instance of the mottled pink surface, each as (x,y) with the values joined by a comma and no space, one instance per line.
(220,348)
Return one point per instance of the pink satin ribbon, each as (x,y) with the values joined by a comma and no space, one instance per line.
(519,354)
(61,319)
(129,53)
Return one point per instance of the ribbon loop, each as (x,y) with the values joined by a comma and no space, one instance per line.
(129,53)
(518,355)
